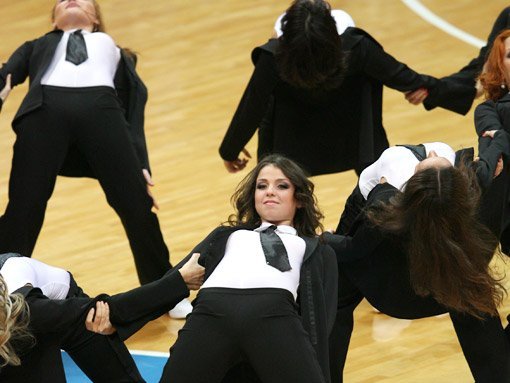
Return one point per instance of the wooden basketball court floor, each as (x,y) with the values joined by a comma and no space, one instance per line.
(195,60)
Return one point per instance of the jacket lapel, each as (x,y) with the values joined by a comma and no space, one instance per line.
(311,245)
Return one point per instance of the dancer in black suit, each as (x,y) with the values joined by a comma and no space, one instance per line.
(319,94)
(46,312)
(423,250)
(251,310)
(80,119)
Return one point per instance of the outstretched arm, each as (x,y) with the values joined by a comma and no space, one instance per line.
(4,93)
(249,113)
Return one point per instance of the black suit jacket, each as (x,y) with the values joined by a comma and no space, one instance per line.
(317,294)
(378,266)
(60,324)
(495,202)
(324,131)
(459,88)
(32,60)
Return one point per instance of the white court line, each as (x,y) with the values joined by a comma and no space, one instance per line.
(149,353)
(422,11)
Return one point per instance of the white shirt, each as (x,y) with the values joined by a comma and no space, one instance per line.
(19,271)
(397,164)
(244,265)
(98,70)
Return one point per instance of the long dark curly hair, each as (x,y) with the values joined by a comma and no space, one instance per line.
(307,220)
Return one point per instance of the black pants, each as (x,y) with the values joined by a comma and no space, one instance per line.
(484,342)
(91,121)
(354,206)
(259,325)
(60,324)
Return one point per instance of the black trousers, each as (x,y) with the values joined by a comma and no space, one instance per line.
(260,326)
(484,342)
(104,359)
(91,121)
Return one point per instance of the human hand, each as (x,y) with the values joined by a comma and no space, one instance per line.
(479,88)
(100,322)
(193,273)
(239,163)
(489,133)
(499,167)
(6,89)
(417,96)
(383,180)
(148,180)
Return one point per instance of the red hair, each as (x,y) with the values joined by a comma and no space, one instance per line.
(494,73)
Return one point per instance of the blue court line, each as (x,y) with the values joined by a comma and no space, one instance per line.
(150,365)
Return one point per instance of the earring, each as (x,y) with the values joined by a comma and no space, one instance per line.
(503,86)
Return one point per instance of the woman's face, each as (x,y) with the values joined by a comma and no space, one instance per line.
(432,161)
(274,196)
(71,14)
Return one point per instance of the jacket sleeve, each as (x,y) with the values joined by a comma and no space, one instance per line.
(365,238)
(460,87)
(133,95)
(491,149)
(201,248)
(55,316)
(251,108)
(17,65)
(330,285)
(375,62)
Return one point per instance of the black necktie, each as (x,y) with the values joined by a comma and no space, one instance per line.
(274,250)
(76,51)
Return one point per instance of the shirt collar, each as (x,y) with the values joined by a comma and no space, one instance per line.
(282,229)
(83,31)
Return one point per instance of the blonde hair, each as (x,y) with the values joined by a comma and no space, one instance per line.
(14,320)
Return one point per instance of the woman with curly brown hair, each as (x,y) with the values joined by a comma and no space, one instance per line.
(274,317)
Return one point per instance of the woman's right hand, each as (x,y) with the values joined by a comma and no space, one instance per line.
(239,163)
(98,319)
(417,96)
(7,88)
(193,273)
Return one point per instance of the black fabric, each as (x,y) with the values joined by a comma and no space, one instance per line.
(373,265)
(60,324)
(459,88)
(419,151)
(324,131)
(92,120)
(261,325)
(32,59)
(317,294)
(274,249)
(76,50)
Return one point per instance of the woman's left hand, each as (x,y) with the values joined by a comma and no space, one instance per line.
(6,89)
(148,180)
(417,96)
(499,167)
(100,322)
(489,133)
